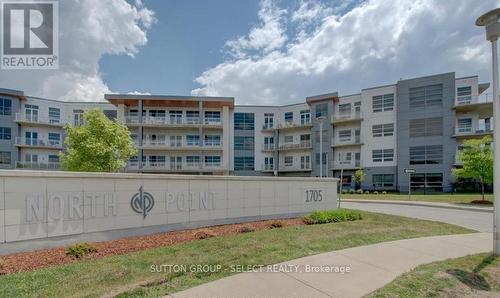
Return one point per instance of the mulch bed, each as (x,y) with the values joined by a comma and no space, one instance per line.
(28,261)
(482,202)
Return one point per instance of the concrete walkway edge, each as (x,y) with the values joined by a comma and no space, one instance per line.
(371,267)
(420,203)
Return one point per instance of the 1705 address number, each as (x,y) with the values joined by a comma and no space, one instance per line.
(314,196)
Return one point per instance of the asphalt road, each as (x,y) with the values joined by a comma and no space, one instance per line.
(480,221)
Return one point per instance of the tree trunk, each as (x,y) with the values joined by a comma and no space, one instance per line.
(482,189)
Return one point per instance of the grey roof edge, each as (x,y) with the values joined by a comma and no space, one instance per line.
(429,76)
(377,87)
(167,97)
(321,97)
(68,101)
(12,92)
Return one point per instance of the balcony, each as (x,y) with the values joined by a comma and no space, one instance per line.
(353,116)
(269,147)
(267,168)
(37,143)
(470,132)
(295,167)
(163,144)
(345,164)
(343,142)
(467,103)
(457,161)
(166,166)
(37,119)
(304,124)
(304,145)
(53,166)
(167,121)
(269,127)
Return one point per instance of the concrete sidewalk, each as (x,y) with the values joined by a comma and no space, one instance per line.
(420,203)
(371,267)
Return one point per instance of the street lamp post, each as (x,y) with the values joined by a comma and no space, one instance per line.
(490,20)
(321,119)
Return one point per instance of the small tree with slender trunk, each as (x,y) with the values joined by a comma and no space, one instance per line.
(359,176)
(99,145)
(477,159)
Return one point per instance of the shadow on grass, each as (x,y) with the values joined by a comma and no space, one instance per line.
(473,279)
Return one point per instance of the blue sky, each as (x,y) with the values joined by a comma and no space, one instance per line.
(259,51)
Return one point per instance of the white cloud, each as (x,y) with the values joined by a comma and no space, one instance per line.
(88,30)
(375,43)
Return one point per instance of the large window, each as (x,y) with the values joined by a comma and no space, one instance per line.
(5,107)
(212,160)
(345,109)
(54,115)
(289,117)
(427,182)
(382,103)
(111,114)
(193,140)
(193,160)
(192,117)
(345,135)
(428,154)
(305,162)
(212,140)
(288,161)
(426,97)
(77,117)
(244,121)
(5,158)
(54,138)
(268,120)
(426,127)
(321,110)
(244,163)
(244,143)
(464,125)
(305,117)
(383,130)
(212,117)
(383,180)
(5,133)
(380,155)
(464,95)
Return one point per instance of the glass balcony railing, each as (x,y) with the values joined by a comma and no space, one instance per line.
(353,115)
(38,165)
(175,166)
(353,140)
(31,142)
(345,164)
(35,118)
(168,120)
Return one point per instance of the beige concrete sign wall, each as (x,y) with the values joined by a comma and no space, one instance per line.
(41,205)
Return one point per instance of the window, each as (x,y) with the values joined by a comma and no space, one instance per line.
(268,163)
(244,121)
(5,158)
(54,138)
(288,139)
(5,133)
(305,162)
(31,138)
(176,162)
(305,139)
(464,125)
(53,158)
(383,130)
(381,103)
(54,115)
(324,158)
(31,113)
(347,180)
(175,141)
(5,107)
(243,143)
(288,161)
(193,160)
(345,109)
(193,140)
(213,160)
(345,135)
(31,158)
(212,117)
(289,117)
(305,117)
(268,120)
(192,117)
(212,140)
(428,154)
(464,95)
(77,117)
(321,110)
(383,180)
(112,114)
(426,127)
(381,155)
(426,97)
(244,163)
(175,117)
(432,182)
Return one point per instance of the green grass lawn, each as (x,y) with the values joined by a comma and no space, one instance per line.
(471,276)
(439,197)
(113,275)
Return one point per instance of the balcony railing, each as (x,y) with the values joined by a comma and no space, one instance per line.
(167,143)
(269,147)
(31,118)
(38,166)
(353,115)
(267,167)
(294,167)
(268,126)
(353,140)
(470,131)
(37,143)
(292,146)
(167,120)
(289,125)
(176,166)
(345,164)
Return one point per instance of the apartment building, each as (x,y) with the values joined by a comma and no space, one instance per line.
(418,123)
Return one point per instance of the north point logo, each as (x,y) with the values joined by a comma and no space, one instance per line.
(142,202)
(29,35)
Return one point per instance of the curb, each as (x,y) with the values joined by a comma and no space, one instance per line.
(422,204)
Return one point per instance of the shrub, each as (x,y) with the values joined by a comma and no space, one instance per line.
(344,191)
(351,191)
(246,229)
(367,192)
(384,192)
(335,215)
(80,249)
(359,191)
(203,235)
(276,224)
(375,192)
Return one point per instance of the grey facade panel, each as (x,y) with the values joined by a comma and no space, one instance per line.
(8,121)
(327,135)
(405,114)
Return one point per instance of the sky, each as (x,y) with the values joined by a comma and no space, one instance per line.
(265,52)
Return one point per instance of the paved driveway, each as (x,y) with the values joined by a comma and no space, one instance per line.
(481,221)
